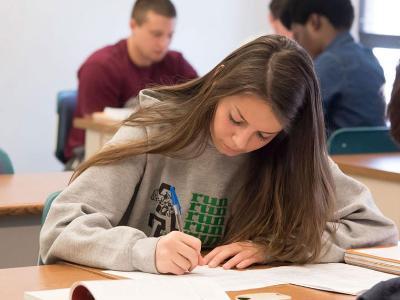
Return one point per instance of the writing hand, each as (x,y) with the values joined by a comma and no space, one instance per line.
(178,253)
(240,255)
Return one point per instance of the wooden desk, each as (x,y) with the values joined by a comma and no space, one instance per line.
(14,282)
(381,173)
(97,132)
(21,203)
(24,194)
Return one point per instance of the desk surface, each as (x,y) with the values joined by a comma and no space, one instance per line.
(97,124)
(384,166)
(14,282)
(24,194)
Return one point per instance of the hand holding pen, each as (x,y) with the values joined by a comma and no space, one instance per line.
(178,252)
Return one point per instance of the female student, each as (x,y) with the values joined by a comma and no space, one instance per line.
(244,147)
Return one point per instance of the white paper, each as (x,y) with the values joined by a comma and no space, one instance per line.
(117,114)
(166,288)
(59,294)
(387,252)
(227,280)
(335,277)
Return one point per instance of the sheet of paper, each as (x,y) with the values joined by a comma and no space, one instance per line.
(335,277)
(227,280)
(140,288)
(59,294)
(163,288)
(389,252)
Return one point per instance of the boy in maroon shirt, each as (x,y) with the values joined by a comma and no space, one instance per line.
(114,74)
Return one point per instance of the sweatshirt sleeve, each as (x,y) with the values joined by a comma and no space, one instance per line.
(83,223)
(357,220)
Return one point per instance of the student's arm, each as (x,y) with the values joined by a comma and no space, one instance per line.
(359,222)
(81,226)
(98,87)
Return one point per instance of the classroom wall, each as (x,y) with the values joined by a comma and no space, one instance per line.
(44,42)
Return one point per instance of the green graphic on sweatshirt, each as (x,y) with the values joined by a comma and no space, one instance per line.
(205,218)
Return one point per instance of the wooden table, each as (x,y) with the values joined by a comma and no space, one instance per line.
(21,203)
(380,172)
(25,194)
(98,131)
(14,282)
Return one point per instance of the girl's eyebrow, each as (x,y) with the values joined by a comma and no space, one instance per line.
(238,111)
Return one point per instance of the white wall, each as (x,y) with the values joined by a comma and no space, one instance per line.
(44,42)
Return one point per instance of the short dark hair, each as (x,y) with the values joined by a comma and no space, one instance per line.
(339,12)
(394,107)
(161,7)
(276,7)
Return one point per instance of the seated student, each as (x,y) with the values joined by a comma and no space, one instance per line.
(394,107)
(275,9)
(115,74)
(350,76)
(244,147)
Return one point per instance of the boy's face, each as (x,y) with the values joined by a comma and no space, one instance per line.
(311,34)
(153,36)
(243,123)
(305,36)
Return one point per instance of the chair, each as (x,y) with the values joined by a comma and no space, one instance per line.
(47,205)
(6,166)
(361,140)
(66,103)
(46,208)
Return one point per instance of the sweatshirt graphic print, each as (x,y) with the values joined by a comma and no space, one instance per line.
(204,219)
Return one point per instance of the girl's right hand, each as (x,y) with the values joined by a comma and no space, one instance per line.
(178,253)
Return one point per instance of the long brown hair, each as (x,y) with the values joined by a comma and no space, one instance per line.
(288,195)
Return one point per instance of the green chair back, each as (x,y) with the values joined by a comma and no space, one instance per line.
(46,208)
(6,166)
(47,205)
(361,140)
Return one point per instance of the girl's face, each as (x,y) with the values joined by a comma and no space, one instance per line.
(243,123)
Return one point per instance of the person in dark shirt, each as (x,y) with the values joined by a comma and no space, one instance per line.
(394,107)
(115,74)
(350,76)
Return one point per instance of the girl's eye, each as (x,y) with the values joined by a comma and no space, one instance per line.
(234,121)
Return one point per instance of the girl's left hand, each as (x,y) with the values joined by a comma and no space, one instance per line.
(239,255)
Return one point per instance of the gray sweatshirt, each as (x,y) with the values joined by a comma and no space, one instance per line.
(112,216)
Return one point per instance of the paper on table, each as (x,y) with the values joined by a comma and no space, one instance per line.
(59,294)
(227,280)
(387,252)
(163,288)
(335,277)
